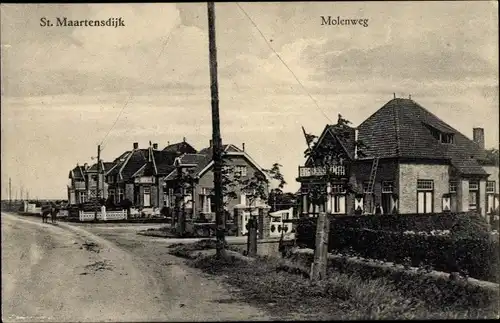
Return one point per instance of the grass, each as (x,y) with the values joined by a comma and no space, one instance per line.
(342,296)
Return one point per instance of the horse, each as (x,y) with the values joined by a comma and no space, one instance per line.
(53,215)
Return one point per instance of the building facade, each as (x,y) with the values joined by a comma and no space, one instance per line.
(410,161)
(198,201)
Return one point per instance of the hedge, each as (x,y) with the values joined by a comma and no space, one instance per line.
(466,250)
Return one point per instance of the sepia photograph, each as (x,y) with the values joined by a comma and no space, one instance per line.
(250,161)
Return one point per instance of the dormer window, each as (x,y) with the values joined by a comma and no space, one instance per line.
(441,134)
(447,138)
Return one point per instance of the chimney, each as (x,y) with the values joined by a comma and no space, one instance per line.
(136,145)
(243,146)
(409,96)
(394,94)
(210,143)
(478,136)
(155,146)
(184,139)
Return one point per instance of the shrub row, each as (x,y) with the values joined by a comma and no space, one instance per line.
(475,255)
(412,222)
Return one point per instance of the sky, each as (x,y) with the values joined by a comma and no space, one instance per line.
(66,89)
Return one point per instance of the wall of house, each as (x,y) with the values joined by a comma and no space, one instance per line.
(387,170)
(207,181)
(409,173)
(129,192)
(494,172)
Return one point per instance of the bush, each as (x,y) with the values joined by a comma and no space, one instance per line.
(469,249)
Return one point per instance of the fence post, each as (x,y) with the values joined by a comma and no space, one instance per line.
(318,267)
(252,236)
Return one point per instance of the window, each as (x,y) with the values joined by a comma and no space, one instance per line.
(338,204)
(110,179)
(453,187)
(447,138)
(83,197)
(165,199)
(425,196)
(242,170)
(473,195)
(490,187)
(120,195)
(473,186)
(338,189)
(387,187)
(111,194)
(425,185)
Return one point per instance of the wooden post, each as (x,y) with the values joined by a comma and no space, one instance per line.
(180,224)
(252,237)
(318,267)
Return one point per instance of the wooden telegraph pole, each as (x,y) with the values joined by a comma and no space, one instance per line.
(97,200)
(216,137)
(10,192)
(98,195)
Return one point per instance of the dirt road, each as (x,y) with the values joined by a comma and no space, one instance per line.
(69,273)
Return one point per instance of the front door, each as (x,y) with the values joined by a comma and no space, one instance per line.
(147,196)
(424,202)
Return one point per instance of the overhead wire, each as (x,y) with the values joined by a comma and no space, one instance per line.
(282,61)
(165,43)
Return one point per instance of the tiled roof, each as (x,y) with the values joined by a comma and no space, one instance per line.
(401,128)
(77,172)
(138,159)
(345,136)
(225,148)
(182,147)
(164,161)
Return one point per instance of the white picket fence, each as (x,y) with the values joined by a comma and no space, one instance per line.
(103,215)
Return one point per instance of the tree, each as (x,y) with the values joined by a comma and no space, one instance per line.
(327,155)
(257,186)
(492,156)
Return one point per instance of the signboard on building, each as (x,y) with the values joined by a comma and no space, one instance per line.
(145,180)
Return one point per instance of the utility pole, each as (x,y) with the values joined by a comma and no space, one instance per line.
(97,200)
(10,191)
(216,137)
(98,171)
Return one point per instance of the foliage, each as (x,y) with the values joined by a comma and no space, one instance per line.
(492,156)
(328,154)
(279,201)
(257,186)
(126,204)
(463,251)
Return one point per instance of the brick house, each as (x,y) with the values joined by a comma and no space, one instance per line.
(138,173)
(82,184)
(414,163)
(199,204)
(77,187)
